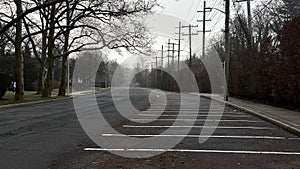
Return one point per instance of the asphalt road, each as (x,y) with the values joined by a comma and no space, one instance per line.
(49,136)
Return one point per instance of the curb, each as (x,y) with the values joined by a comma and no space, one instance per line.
(32,103)
(276,122)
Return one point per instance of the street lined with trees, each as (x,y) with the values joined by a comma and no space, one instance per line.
(177,107)
(264,68)
(57,29)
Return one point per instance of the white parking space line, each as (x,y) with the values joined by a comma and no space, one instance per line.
(218,127)
(189,112)
(196,151)
(161,109)
(196,115)
(184,109)
(199,136)
(197,120)
(298,138)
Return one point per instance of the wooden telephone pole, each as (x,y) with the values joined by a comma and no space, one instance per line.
(173,56)
(190,40)
(250,32)
(179,44)
(227,52)
(205,10)
(162,56)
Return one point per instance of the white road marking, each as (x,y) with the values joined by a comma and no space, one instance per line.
(198,136)
(162,109)
(219,127)
(195,151)
(189,112)
(294,138)
(195,115)
(154,110)
(197,120)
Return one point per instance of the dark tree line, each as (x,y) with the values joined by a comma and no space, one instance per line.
(161,79)
(268,71)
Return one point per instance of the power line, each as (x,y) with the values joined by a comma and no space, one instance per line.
(217,12)
(217,22)
(198,6)
(189,11)
(213,14)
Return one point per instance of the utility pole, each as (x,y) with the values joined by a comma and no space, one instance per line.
(162,56)
(156,61)
(249,23)
(227,52)
(155,71)
(179,43)
(190,40)
(249,19)
(173,56)
(205,10)
(173,47)
(169,53)
(147,79)
(68,76)
(173,51)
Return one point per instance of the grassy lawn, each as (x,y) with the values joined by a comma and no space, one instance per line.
(32,97)
(28,97)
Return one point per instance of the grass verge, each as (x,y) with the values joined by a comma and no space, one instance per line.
(28,97)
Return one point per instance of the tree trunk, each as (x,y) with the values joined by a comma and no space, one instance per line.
(40,84)
(19,95)
(64,68)
(63,78)
(50,60)
(42,63)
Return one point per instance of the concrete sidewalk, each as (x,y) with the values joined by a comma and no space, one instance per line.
(286,119)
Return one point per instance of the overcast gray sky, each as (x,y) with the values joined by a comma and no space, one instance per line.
(163,24)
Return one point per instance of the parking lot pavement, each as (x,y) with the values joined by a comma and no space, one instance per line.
(48,135)
(239,141)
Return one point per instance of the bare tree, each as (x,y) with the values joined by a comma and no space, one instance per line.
(78,25)
(103,27)
(16,40)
